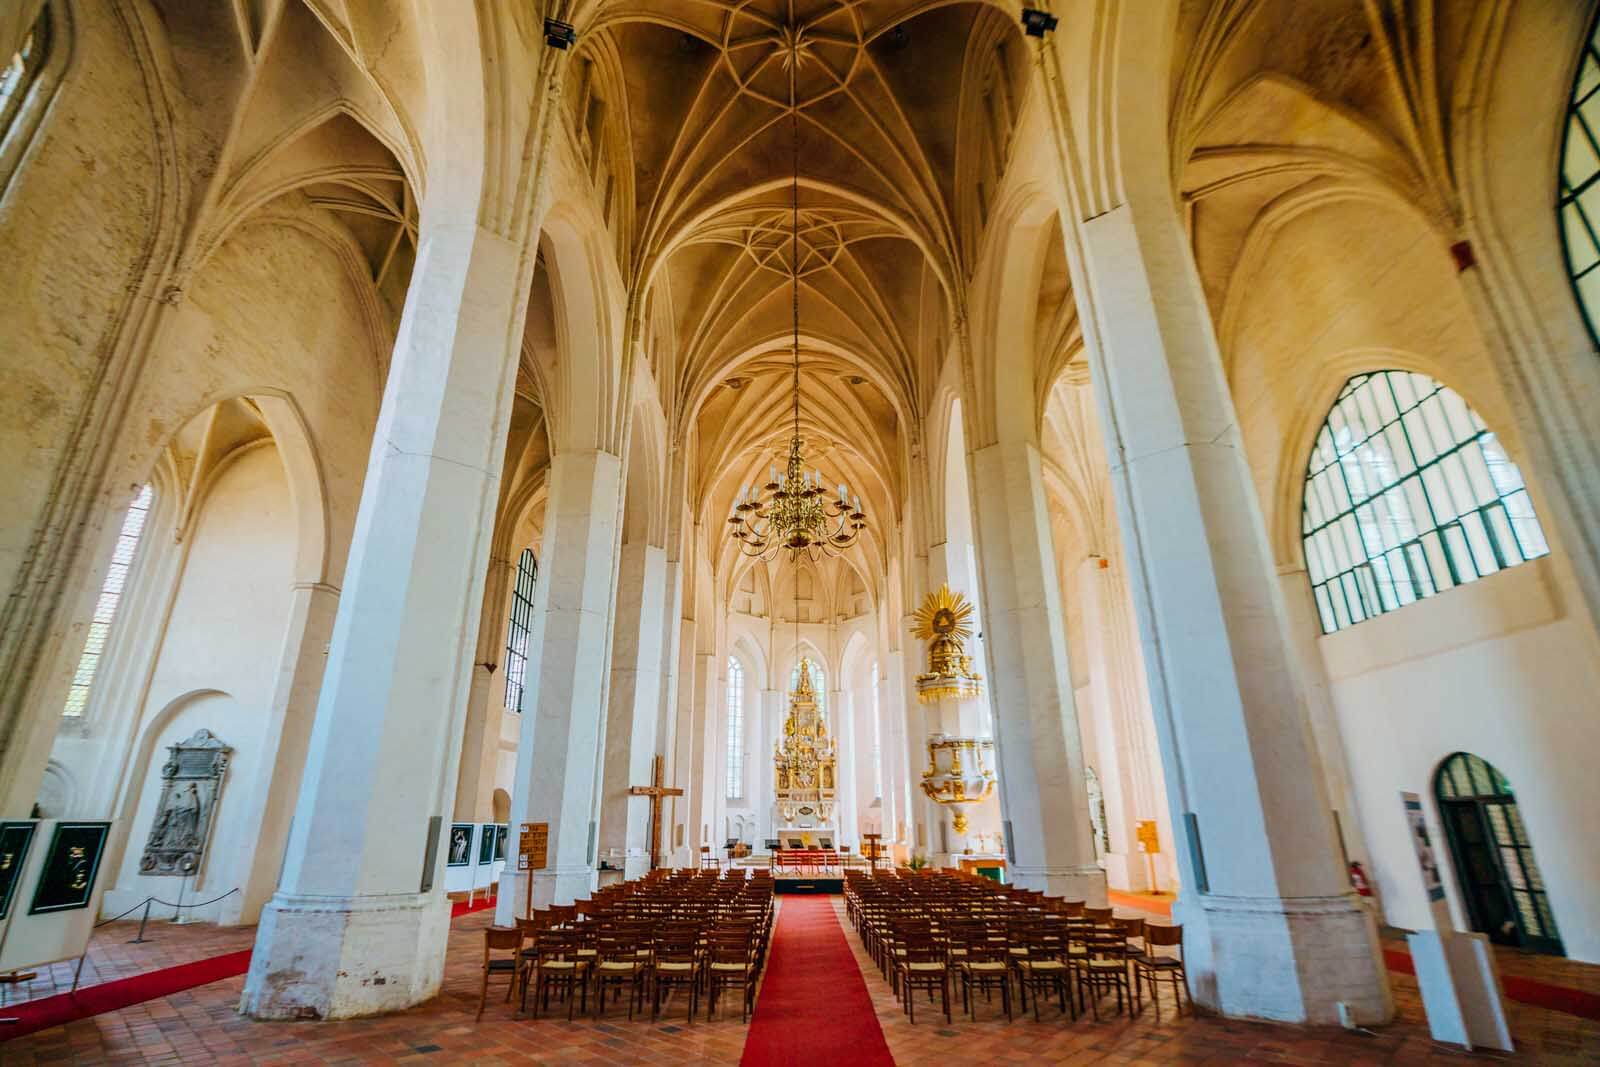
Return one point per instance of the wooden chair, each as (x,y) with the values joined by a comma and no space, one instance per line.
(920,962)
(708,858)
(730,964)
(1105,968)
(986,967)
(556,965)
(619,964)
(1152,964)
(1043,969)
(500,939)
(676,963)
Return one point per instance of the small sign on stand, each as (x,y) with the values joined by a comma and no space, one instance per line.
(533,849)
(1456,971)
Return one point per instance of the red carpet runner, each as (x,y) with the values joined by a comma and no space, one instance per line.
(41,1014)
(814,1007)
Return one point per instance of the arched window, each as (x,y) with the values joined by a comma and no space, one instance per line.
(19,75)
(1408,494)
(877,737)
(735,787)
(1578,194)
(521,629)
(1500,883)
(105,609)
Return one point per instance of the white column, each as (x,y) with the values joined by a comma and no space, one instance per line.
(631,719)
(1042,793)
(1272,929)
(480,747)
(690,760)
(707,779)
(294,705)
(359,922)
(563,708)
(1130,770)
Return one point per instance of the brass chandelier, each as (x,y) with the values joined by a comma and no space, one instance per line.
(794,512)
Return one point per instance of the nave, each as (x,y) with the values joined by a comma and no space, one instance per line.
(824,996)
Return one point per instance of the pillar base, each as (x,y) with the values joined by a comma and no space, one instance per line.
(343,957)
(1290,959)
(1085,883)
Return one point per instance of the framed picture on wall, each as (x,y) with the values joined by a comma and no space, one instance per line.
(500,833)
(459,852)
(486,845)
(70,866)
(15,839)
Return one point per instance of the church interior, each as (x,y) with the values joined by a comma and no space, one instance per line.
(787,531)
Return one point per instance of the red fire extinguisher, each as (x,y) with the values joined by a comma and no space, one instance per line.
(1358,879)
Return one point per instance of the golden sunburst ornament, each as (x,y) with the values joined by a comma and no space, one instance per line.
(944,614)
(944,622)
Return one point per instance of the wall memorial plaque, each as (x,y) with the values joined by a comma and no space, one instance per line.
(15,837)
(191,784)
(459,854)
(70,866)
(486,845)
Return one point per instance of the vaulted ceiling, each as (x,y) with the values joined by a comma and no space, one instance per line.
(894,144)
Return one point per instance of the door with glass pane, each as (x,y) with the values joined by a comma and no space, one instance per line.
(1493,857)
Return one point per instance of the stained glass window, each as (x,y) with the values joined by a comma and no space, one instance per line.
(521,629)
(105,609)
(1408,493)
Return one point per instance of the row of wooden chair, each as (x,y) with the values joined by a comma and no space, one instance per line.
(693,932)
(933,933)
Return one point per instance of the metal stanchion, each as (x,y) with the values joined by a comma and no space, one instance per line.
(143,919)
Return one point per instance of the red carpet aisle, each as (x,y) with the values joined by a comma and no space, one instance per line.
(63,1008)
(814,1007)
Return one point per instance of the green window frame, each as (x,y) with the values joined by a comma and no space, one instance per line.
(520,630)
(1578,183)
(1408,493)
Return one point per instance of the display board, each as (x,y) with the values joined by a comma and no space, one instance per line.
(54,892)
(15,840)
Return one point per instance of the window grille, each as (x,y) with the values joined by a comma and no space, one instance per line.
(105,609)
(1408,493)
(1578,185)
(520,630)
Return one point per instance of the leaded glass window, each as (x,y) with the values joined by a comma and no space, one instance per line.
(1579,183)
(1408,493)
(1502,889)
(19,74)
(735,768)
(520,630)
(105,608)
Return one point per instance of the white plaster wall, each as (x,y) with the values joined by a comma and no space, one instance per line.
(1491,668)
(223,643)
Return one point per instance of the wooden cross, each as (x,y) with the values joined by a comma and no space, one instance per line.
(655,792)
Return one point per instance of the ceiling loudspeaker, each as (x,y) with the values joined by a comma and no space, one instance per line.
(1035,23)
(558,34)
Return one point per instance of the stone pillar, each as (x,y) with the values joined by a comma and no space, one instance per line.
(480,746)
(690,760)
(294,704)
(1272,929)
(359,922)
(634,706)
(1130,771)
(1037,748)
(563,707)
(705,782)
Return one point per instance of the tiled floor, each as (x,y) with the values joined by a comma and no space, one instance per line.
(201,1026)
(111,956)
